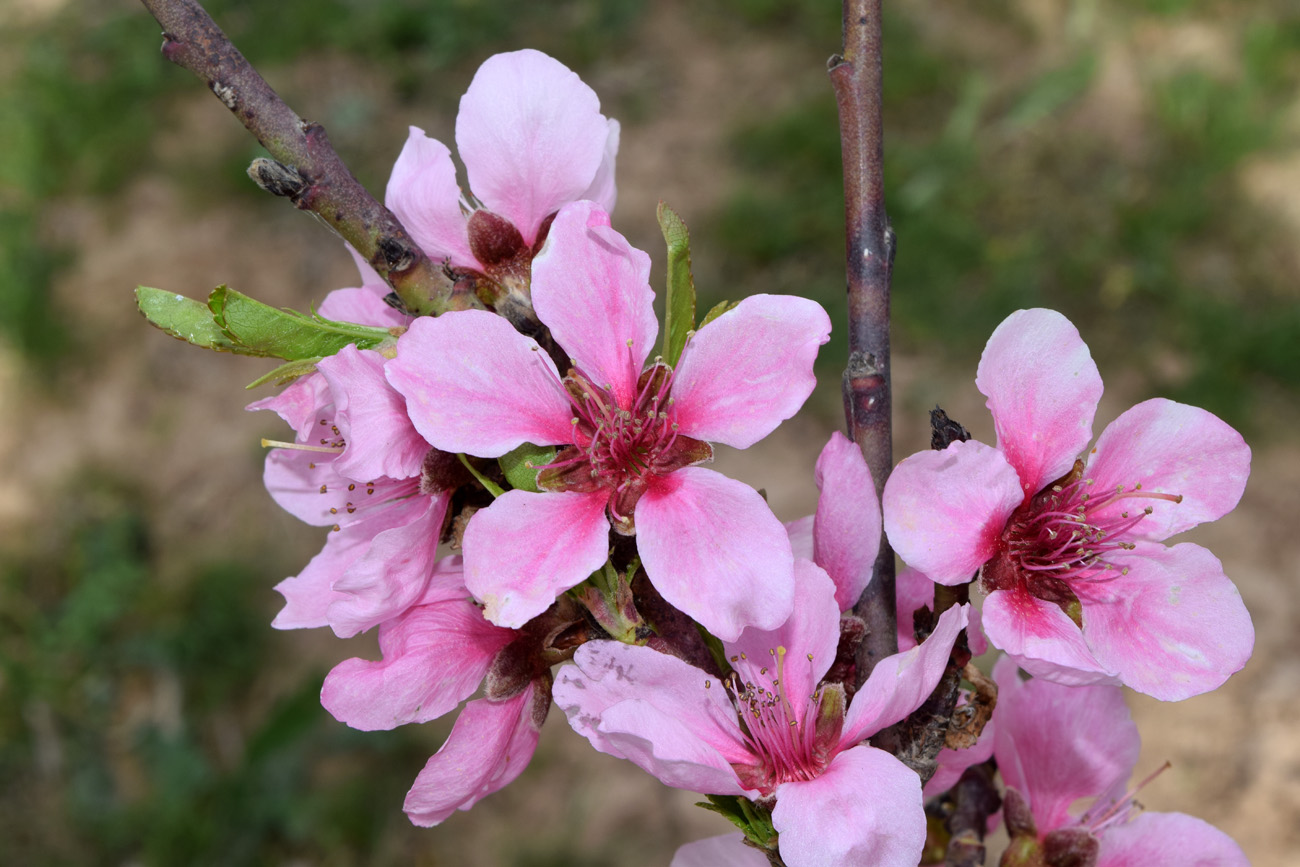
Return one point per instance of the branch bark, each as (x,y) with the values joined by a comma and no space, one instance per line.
(856,76)
(306,169)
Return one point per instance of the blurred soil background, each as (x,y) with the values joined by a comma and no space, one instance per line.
(1133,163)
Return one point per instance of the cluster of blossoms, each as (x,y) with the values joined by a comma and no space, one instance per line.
(540,438)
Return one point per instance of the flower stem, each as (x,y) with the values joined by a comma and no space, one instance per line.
(305,168)
(856,78)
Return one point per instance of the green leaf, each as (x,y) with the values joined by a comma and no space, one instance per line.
(185,319)
(492,487)
(287,334)
(679,305)
(728,806)
(286,373)
(718,309)
(520,465)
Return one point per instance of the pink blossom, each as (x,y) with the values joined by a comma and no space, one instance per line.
(532,139)
(770,731)
(728,850)
(629,435)
(914,591)
(1057,745)
(1081,590)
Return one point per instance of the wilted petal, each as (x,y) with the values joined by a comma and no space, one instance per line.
(1170,448)
(423,194)
(729,850)
(490,745)
(371,416)
(714,550)
(434,657)
(846,531)
(526,549)
(669,718)
(475,385)
(899,684)
(1042,388)
(945,511)
(1174,626)
(864,809)
(1041,638)
(749,370)
(592,289)
(1169,840)
(1056,744)
(531,136)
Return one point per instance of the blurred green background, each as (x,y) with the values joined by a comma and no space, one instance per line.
(1134,164)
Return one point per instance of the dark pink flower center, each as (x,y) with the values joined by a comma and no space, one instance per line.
(1065,533)
(621,449)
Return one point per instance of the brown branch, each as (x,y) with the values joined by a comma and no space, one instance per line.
(305,168)
(856,77)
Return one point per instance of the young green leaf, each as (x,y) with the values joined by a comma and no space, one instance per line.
(286,373)
(679,305)
(717,310)
(185,319)
(288,334)
(520,465)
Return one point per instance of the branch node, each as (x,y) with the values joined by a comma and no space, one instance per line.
(277,178)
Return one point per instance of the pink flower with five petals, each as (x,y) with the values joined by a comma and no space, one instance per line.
(1081,590)
(709,544)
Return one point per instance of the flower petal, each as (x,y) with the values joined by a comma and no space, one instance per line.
(1042,388)
(309,594)
(592,289)
(364,306)
(1041,638)
(666,716)
(749,370)
(490,744)
(531,136)
(603,190)
(371,415)
(1169,840)
(1171,448)
(899,684)
(1174,626)
(945,511)
(800,531)
(864,809)
(526,549)
(300,404)
(846,529)
(475,385)
(1056,744)
(808,639)
(728,850)
(434,657)
(714,550)
(423,194)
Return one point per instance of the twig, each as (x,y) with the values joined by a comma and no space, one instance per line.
(305,168)
(856,77)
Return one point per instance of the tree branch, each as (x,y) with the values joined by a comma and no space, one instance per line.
(305,168)
(856,78)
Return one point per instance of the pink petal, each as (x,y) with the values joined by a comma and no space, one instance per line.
(1169,840)
(424,195)
(370,279)
(864,809)
(602,190)
(309,595)
(714,550)
(1170,448)
(371,416)
(1041,638)
(899,684)
(434,657)
(526,549)
(1174,626)
(800,532)
(393,573)
(912,591)
(592,289)
(1056,744)
(945,511)
(729,850)
(294,479)
(1042,388)
(531,136)
(363,306)
(301,404)
(475,385)
(490,745)
(669,718)
(847,524)
(749,370)
(808,640)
